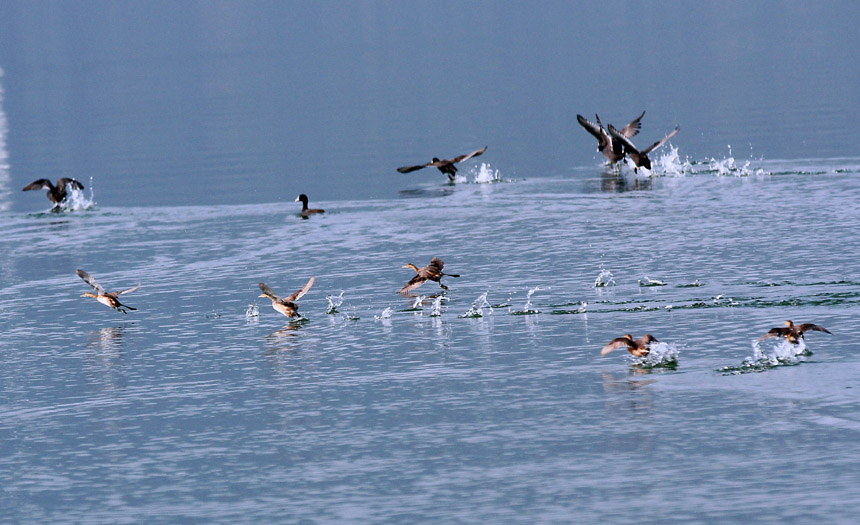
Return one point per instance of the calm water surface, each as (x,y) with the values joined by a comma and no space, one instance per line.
(488,403)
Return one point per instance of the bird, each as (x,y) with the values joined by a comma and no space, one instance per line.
(445,166)
(104,297)
(640,157)
(307,212)
(615,151)
(287,305)
(792,332)
(56,194)
(432,271)
(637,347)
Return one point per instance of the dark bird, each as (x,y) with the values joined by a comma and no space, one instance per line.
(445,166)
(432,271)
(56,194)
(792,332)
(640,158)
(287,305)
(307,212)
(106,298)
(612,148)
(638,347)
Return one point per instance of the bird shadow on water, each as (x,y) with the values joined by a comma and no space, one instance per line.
(611,182)
(418,193)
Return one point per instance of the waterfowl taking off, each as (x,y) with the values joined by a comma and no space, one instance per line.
(106,298)
(432,271)
(56,194)
(445,166)
(792,332)
(640,158)
(307,212)
(615,150)
(638,347)
(287,305)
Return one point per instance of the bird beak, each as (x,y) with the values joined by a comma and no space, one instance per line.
(261,295)
(405,266)
(297,200)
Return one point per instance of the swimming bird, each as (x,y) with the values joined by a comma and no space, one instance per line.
(792,332)
(445,166)
(307,212)
(638,347)
(640,157)
(432,271)
(615,150)
(287,305)
(56,194)
(104,297)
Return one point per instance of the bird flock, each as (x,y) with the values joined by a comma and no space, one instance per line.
(614,144)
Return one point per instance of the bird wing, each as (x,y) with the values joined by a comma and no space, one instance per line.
(72,183)
(592,128)
(413,283)
(298,295)
(632,129)
(624,140)
(775,332)
(268,292)
(617,343)
(436,265)
(662,141)
(41,184)
(805,327)
(468,156)
(129,290)
(646,340)
(90,281)
(408,169)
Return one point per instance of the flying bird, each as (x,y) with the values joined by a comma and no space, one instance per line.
(106,298)
(445,166)
(792,332)
(638,347)
(286,305)
(432,271)
(56,194)
(640,157)
(307,212)
(612,148)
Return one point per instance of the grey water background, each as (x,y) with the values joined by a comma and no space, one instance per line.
(195,125)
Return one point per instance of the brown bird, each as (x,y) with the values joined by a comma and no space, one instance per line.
(640,158)
(56,194)
(638,347)
(287,305)
(792,332)
(615,151)
(307,212)
(432,271)
(445,166)
(104,297)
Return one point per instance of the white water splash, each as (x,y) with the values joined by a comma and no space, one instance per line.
(386,314)
(334,302)
(670,164)
(487,175)
(604,279)
(79,200)
(476,309)
(529,308)
(660,354)
(783,353)
(437,309)
(651,282)
(252,313)
(419,301)
(728,166)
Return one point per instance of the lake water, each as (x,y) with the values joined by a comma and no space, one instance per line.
(193,128)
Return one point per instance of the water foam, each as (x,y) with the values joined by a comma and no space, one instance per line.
(783,353)
(604,279)
(334,301)
(528,308)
